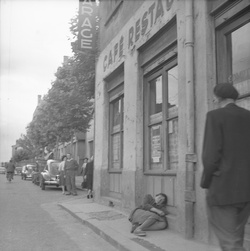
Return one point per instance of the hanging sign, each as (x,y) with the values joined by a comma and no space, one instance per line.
(87,25)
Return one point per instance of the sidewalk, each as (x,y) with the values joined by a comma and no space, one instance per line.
(114,227)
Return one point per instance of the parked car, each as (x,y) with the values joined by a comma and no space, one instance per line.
(35,177)
(27,171)
(41,164)
(50,176)
(2,170)
(18,170)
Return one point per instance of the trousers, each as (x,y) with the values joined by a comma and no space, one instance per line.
(228,223)
(70,181)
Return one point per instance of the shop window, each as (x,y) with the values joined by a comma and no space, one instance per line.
(233,56)
(156,95)
(115,90)
(161,120)
(116,133)
(116,118)
(240,52)
(172,117)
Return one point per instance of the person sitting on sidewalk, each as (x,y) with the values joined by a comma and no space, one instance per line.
(151,215)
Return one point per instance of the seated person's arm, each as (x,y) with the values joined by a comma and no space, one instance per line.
(158,211)
(148,202)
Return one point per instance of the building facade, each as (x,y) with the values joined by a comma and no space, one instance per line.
(81,146)
(159,61)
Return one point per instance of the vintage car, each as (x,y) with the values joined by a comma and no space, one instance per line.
(27,171)
(2,170)
(18,170)
(50,176)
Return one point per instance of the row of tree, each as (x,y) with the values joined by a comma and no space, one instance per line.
(67,108)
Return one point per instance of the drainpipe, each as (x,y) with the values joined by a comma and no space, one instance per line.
(190,119)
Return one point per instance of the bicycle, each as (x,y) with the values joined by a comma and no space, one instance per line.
(9,176)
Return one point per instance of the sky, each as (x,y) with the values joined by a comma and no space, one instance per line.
(34,37)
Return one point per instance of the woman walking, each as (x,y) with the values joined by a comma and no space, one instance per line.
(62,173)
(88,174)
(85,162)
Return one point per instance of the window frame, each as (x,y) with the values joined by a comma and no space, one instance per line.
(161,118)
(116,129)
(223,47)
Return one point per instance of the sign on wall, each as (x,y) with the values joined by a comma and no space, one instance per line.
(140,28)
(156,144)
(87,25)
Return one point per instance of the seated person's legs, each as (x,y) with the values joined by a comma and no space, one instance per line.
(158,225)
(154,222)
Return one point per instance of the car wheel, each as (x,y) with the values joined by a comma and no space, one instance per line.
(42,184)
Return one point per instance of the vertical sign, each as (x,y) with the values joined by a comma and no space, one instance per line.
(156,144)
(87,25)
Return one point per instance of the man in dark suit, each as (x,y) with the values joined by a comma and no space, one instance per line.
(226,174)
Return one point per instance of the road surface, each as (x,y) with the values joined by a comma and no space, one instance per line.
(31,220)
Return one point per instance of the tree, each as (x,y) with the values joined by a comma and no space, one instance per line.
(66,109)
(68,106)
(26,148)
(21,155)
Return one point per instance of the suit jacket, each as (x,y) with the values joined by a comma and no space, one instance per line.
(89,170)
(226,156)
(10,167)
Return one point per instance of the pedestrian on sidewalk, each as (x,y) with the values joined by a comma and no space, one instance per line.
(85,161)
(88,174)
(226,174)
(150,216)
(70,168)
(61,170)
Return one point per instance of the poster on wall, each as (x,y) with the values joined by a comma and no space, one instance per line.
(156,144)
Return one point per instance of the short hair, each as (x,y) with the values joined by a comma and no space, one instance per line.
(165,202)
(226,90)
